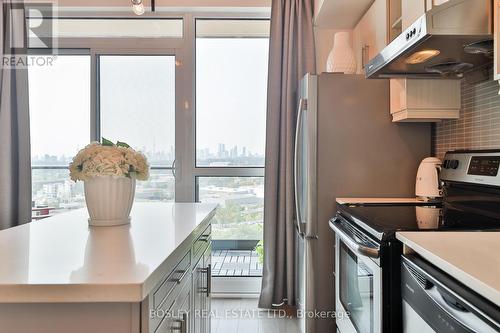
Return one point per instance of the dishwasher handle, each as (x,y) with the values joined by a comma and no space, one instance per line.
(430,291)
(445,300)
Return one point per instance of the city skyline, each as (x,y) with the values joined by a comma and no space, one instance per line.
(223,151)
(138,94)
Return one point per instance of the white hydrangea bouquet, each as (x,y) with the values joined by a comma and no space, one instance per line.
(109,172)
(108,159)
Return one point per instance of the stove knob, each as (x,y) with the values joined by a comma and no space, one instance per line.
(454,164)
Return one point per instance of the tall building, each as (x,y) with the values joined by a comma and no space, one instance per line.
(221,151)
(233,153)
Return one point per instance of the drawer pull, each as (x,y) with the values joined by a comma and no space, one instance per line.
(204,238)
(183,324)
(184,272)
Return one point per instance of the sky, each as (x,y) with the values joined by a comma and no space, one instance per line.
(231,92)
(59,106)
(138,99)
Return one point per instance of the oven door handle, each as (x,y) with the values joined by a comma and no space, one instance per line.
(359,248)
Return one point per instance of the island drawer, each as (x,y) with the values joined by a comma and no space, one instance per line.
(201,244)
(176,317)
(169,288)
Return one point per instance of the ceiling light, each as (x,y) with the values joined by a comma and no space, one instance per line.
(421,56)
(138,7)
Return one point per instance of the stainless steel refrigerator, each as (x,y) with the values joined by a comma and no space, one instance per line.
(346,146)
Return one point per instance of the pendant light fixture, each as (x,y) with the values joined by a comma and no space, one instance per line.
(138,7)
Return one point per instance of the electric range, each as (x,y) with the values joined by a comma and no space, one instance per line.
(368,256)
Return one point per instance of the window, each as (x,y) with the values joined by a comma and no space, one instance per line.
(137,106)
(231,97)
(231,92)
(137,103)
(59,100)
(142,91)
(131,79)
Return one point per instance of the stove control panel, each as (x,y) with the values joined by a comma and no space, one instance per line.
(475,167)
(484,166)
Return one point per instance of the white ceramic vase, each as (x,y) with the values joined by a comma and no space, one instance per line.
(341,58)
(109,200)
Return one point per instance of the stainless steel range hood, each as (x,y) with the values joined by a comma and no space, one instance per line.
(446,42)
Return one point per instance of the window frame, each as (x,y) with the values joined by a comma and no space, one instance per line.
(184,167)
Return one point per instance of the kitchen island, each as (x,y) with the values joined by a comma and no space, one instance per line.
(60,275)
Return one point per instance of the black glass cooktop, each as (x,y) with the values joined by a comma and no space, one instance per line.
(383,221)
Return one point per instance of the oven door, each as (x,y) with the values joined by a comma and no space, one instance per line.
(358,284)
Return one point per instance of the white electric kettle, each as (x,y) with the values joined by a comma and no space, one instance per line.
(428,185)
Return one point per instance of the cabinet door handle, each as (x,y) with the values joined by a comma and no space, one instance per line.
(208,288)
(209,279)
(365,55)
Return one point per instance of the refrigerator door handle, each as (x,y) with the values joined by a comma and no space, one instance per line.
(298,214)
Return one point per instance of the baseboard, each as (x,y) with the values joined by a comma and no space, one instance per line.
(226,295)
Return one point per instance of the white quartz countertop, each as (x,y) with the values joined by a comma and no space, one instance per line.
(62,259)
(472,258)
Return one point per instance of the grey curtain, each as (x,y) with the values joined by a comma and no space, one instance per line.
(291,55)
(15,163)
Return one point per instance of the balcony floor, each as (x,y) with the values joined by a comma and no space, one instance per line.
(236,263)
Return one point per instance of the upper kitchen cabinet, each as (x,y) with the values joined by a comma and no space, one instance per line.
(411,10)
(339,14)
(402,13)
(429,4)
(370,35)
(395,18)
(414,100)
